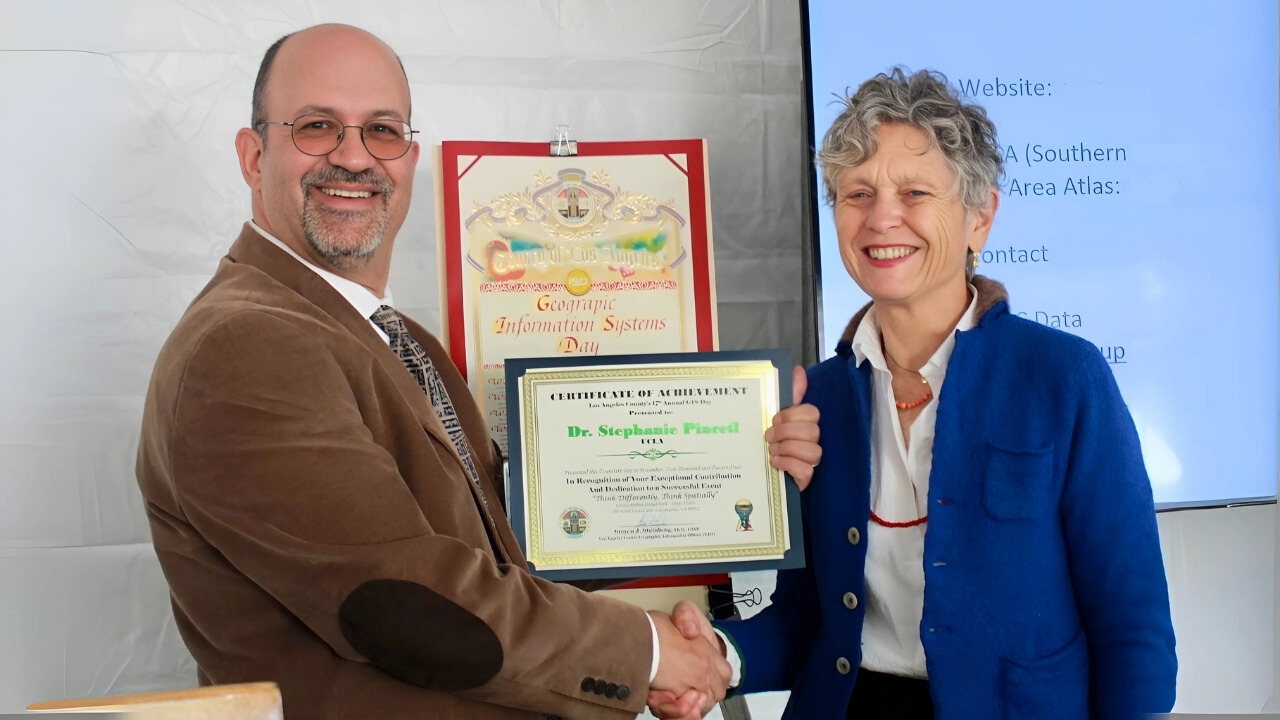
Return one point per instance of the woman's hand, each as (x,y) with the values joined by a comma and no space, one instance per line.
(793,436)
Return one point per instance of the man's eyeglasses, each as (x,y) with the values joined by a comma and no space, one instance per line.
(321,135)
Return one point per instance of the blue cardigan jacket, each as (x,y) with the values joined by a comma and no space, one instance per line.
(1045,594)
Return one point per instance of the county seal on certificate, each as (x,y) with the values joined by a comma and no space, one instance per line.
(649,465)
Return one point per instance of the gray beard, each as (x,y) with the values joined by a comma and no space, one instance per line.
(345,239)
(340,249)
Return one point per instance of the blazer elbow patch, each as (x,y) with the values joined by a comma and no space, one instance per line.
(420,636)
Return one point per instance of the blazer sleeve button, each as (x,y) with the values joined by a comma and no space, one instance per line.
(624,692)
(588,683)
(599,686)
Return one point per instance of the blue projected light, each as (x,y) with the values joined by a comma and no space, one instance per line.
(1139,203)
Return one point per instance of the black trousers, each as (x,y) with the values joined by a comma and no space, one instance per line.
(877,696)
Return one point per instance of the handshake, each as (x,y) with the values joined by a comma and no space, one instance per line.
(693,674)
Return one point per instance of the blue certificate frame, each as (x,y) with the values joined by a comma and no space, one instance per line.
(672,504)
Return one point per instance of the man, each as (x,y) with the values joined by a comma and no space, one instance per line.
(320,484)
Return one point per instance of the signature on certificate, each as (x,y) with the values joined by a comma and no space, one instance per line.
(652,519)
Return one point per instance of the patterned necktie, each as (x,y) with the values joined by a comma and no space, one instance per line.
(415,358)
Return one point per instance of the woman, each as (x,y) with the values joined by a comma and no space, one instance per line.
(980,532)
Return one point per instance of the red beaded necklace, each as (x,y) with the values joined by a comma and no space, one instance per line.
(910,404)
(928,395)
(886,523)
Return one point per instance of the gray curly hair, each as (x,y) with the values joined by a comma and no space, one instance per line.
(962,130)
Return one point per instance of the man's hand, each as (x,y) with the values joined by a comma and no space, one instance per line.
(692,672)
(666,704)
(793,437)
(692,623)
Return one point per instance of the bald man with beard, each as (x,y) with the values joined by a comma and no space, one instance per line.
(320,484)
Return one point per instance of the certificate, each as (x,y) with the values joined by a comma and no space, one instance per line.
(649,465)
(607,252)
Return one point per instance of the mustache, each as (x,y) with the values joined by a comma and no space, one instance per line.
(332,175)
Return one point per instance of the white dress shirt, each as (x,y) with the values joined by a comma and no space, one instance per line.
(366,303)
(899,494)
(360,297)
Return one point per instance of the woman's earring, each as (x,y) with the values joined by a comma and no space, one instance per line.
(973,260)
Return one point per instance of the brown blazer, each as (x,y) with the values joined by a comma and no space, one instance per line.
(317,529)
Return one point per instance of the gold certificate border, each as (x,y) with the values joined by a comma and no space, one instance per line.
(760,371)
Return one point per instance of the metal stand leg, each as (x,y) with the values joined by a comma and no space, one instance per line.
(735,708)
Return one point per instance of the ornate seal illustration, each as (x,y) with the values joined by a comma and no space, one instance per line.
(574,522)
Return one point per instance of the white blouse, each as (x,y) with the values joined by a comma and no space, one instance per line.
(899,494)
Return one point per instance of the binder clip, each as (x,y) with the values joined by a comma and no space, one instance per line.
(562,146)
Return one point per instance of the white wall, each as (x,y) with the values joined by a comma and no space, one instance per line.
(1221,565)
(1274,704)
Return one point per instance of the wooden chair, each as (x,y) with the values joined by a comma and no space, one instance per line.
(249,701)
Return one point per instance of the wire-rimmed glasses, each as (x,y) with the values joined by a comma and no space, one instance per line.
(321,135)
